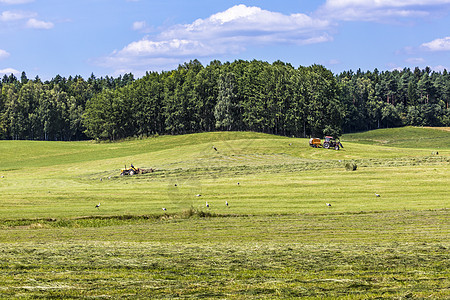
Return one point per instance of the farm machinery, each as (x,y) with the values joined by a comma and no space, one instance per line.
(329,143)
(132,171)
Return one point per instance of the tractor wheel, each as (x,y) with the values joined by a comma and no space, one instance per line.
(336,147)
(326,145)
(131,173)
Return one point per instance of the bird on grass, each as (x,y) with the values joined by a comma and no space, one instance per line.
(226,203)
(214,147)
(164,209)
(207,204)
(198,195)
(97,206)
(328,204)
(377,195)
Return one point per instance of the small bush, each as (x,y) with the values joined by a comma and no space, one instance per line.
(192,212)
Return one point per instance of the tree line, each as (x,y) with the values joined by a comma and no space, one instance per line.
(243,95)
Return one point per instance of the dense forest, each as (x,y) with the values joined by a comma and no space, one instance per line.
(273,98)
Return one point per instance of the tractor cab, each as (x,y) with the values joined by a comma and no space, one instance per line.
(331,142)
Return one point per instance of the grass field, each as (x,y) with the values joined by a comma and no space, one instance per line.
(276,239)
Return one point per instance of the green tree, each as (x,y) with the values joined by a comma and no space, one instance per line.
(225,111)
(108,116)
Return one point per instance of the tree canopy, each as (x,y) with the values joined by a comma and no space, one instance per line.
(243,95)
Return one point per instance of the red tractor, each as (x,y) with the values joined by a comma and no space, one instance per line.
(329,142)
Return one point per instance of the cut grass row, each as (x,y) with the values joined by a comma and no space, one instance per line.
(276,271)
(272,192)
(392,254)
(277,239)
(429,226)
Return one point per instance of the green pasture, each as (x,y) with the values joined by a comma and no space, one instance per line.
(277,238)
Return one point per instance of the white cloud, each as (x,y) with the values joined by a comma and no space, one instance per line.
(3,54)
(438,44)
(142,26)
(230,31)
(415,60)
(439,68)
(373,10)
(16,1)
(333,62)
(139,25)
(383,3)
(37,24)
(8,71)
(10,16)
(250,25)
(169,48)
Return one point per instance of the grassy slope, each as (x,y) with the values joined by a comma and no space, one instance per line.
(277,238)
(405,137)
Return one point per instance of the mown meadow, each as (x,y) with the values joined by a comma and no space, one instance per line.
(277,238)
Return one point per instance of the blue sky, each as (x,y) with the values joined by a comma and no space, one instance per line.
(111,37)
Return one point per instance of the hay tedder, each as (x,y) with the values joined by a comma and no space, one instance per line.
(132,171)
(329,143)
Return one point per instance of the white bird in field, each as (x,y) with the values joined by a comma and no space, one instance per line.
(226,203)
(97,206)
(164,209)
(377,195)
(328,204)
(207,204)
(198,195)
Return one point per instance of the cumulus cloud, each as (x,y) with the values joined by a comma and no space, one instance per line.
(16,1)
(10,16)
(415,60)
(373,10)
(174,47)
(8,71)
(439,68)
(139,25)
(38,24)
(240,27)
(442,44)
(230,31)
(3,54)
(18,17)
(241,23)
